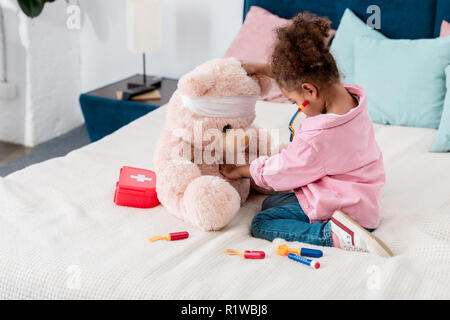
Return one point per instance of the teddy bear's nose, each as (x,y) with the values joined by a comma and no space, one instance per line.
(225,128)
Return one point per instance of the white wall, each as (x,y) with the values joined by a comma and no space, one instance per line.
(12,112)
(193,31)
(51,65)
(54,76)
(44,62)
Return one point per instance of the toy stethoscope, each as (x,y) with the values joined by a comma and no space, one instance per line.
(300,109)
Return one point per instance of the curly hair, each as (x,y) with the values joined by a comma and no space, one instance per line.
(301,53)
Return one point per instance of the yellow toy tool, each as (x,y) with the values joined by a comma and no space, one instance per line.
(284,250)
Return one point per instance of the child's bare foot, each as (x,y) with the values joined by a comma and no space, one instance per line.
(349,235)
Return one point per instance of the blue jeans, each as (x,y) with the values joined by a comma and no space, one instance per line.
(283,217)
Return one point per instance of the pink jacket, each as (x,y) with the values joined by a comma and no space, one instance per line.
(333,163)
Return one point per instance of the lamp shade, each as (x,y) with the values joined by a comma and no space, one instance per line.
(144,20)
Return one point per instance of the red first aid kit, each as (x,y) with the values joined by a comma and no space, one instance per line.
(136,188)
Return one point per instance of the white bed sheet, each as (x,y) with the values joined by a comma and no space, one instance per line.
(62,237)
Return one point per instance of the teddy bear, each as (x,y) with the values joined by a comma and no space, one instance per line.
(209,123)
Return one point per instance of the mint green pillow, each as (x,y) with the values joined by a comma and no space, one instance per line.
(404,79)
(342,46)
(442,143)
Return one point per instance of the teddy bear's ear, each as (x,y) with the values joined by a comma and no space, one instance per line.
(195,84)
(265,83)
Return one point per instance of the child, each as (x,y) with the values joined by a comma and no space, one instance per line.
(333,164)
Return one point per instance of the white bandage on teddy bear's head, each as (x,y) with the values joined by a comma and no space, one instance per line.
(223,107)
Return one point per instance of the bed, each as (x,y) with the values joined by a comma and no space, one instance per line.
(62,237)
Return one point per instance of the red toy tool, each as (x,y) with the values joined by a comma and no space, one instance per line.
(136,188)
(171,236)
(247,254)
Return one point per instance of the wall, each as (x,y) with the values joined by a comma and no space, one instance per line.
(54,77)
(44,62)
(193,31)
(12,112)
(51,65)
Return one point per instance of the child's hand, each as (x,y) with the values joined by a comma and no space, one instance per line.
(232,172)
(253,68)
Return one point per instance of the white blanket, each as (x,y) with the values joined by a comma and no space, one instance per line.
(61,235)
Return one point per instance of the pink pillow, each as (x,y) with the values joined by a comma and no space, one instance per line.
(445,29)
(255,40)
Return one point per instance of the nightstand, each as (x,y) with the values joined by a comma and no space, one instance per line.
(104,114)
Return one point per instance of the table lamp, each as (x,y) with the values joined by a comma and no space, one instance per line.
(144,20)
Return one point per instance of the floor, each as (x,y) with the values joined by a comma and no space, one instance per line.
(10,152)
(15,157)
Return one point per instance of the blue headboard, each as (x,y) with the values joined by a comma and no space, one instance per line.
(400,19)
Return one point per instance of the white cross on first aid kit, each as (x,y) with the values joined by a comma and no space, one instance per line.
(141,178)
